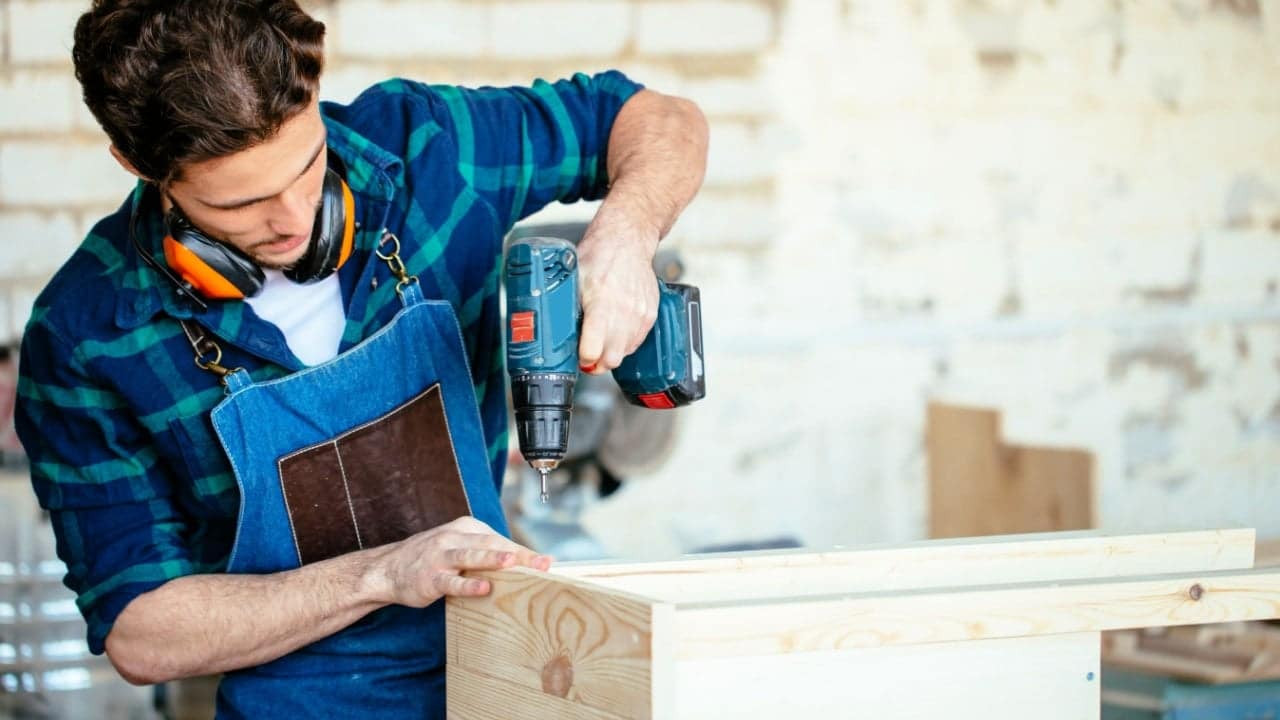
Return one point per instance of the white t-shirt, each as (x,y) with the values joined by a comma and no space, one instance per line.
(310,316)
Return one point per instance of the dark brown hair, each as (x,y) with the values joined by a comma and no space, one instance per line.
(176,82)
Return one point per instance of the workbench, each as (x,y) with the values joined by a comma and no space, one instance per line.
(1004,627)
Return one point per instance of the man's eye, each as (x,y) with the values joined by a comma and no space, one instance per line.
(242,208)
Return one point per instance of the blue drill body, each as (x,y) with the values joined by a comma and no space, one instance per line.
(544,313)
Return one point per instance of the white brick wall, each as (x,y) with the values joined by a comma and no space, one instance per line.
(4,30)
(50,174)
(581,29)
(40,31)
(1070,211)
(703,26)
(34,244)
(410,28)
(38,101)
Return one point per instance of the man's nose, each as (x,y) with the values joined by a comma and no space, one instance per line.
(293,214)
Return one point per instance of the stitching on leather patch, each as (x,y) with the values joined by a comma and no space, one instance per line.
(338,445)
(342,469)
(284,493)
(454,452)
(402,407)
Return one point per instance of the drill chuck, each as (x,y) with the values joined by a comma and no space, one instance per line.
(543,403)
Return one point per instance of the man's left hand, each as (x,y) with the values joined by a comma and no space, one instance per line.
(619,289)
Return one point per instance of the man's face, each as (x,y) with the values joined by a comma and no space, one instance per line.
(263,200)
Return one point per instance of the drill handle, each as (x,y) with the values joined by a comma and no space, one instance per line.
(667,370)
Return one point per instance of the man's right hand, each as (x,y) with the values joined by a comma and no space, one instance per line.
(423,568)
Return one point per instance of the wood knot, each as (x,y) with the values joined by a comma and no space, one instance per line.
(1196,592)
(557,676)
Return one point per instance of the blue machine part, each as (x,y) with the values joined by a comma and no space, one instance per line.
(670,358)
(542,306)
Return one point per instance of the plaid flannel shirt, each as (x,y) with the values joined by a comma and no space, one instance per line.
(112,411)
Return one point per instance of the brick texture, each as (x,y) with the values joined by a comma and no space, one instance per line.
(703,26)
(40,30)
(53,174)
(581,29)
(38,102)
(1069,211)
(412,29)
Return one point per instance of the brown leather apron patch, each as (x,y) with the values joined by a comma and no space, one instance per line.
(375,484)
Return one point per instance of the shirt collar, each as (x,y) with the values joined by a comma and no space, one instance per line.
(371,173)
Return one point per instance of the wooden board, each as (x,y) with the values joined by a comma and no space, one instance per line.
(476,696)
(933,563)
(1053,677)
(780,626)
(981,485)
(589,646)
(986,625)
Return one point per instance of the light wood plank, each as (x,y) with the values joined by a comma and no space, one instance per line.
(592,646)
(1053,677)
(476,696)
(932,563)
(981,485)
(807,624)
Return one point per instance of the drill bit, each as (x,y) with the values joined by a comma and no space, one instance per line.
(542,473)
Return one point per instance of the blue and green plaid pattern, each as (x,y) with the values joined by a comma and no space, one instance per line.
(112,410)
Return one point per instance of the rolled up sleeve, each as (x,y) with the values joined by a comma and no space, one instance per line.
(108,495)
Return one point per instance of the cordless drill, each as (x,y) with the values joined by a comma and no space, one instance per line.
(545,315)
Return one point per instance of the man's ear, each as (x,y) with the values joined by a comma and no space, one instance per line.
(128,166)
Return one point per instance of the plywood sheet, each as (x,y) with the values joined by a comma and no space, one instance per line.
(981,485)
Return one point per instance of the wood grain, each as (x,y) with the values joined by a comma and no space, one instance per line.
(972,613)
(585,645)
(981,485)
(933,563)
(476,696)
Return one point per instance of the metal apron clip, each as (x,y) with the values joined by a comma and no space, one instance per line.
(208,354)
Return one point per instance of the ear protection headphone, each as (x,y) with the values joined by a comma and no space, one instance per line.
(201,267)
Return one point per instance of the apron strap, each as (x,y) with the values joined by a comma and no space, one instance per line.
(406,284)
(208,354)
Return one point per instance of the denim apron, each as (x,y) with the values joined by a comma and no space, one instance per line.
(381,442)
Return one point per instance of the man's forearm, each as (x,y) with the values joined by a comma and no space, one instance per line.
(205,624)
(657,158)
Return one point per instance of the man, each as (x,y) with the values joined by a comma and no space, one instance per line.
(264,400)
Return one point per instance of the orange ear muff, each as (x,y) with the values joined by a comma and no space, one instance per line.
(198,273)
(348,232)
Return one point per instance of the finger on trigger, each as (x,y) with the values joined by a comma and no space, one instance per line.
(612,358)
(591,344)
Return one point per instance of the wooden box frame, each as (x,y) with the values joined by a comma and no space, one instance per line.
(997,627)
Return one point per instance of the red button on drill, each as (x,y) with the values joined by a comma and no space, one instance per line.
(522,327)
(657,401)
